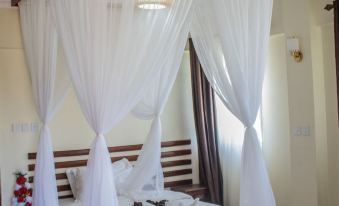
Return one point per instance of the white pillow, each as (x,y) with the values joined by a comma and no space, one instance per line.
(80,182)
(120,165)
(121,170)
(120,177)
(71,177)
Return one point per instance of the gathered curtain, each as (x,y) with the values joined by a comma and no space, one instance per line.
(231,39)
(151,106)
(113,50)
(49,86)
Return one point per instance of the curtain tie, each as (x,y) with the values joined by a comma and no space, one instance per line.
(249,127)
(250,132)
(156,121)
(44,127)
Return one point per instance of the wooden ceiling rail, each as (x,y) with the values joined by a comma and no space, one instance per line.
(329,7)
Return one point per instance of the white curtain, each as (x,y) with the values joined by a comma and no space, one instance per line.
(113,51)
(148,164)
(230,139)
(231,39)
(49,86)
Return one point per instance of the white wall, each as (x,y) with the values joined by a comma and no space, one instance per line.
(276,124)
(320,117)
(324,77)
(330,139)
(312,161)
(69,128)
(296,22)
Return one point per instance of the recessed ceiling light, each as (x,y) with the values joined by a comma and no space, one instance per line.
(152,4)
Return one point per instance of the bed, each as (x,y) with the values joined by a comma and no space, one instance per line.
(123,202)
(176,163)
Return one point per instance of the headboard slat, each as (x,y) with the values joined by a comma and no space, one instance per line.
(81,163)
(63,188)
(173,173)
(83,152)
(180,160)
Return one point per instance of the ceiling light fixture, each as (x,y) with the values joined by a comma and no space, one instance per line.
(152,4)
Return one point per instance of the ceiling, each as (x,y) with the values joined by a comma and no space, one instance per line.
(5,3)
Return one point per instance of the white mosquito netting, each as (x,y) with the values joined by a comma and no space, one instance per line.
(231,39)
(49,86)
(122,58)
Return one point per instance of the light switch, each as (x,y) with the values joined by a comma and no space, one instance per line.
(25,127)
(306,131)
(302,131)
(297,131)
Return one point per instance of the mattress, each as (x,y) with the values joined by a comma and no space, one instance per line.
(125,202)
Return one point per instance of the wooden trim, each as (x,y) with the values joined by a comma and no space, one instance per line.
(178,183)
(59,176)
(329,7)
(335,7)
(176,163)
(177,173)
(83,152)
(174,173)
(176,153)
(176,143)
(62,188)
(336,39)
(66,196)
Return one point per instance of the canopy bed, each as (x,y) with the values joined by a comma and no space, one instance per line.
(123,56)
(176,162)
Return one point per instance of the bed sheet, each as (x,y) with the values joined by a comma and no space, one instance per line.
(122,202)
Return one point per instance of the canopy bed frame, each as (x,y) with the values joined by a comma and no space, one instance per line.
(111,81)
(176,161)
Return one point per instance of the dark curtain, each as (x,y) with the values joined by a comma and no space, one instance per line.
(206,130)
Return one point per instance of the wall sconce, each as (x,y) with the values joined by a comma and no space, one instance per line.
(294,48)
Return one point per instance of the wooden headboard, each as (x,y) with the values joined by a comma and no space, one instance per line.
(175,157)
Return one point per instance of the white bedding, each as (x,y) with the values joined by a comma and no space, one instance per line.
(124,201)
(127,198)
